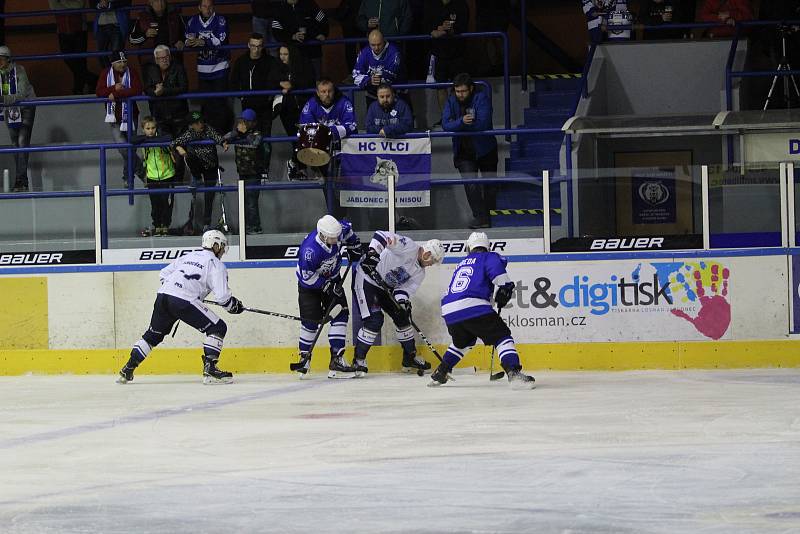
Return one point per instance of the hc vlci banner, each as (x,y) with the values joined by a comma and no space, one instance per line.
(369,163)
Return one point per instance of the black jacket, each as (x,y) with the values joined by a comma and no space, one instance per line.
(260,74)
(306,14)
(175,83)
(435,14)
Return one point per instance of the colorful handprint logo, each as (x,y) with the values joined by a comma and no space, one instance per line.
(707,285)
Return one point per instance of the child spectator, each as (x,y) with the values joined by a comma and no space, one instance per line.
(250,164)
(160,169)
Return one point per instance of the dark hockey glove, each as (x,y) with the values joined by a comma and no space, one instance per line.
(371,259)
(354,253)
(235,307)
(405,307)
(503,294)
(333,289)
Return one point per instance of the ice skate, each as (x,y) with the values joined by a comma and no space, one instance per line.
(360,367)
(440,376)
(125,375)
(214,375)
(338,367)
(302,365)
(520,380)
(414,363)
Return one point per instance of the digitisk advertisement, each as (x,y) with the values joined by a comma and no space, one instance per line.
(612,301)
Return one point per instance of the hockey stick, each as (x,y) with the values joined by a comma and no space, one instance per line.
(297,366)
(501,374)
(263,312)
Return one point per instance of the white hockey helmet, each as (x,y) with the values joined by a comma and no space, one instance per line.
(215,236)
(329,228)
(477,239)
(434,246)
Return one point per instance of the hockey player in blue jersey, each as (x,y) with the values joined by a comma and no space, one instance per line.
(469,315)
(392,270)
(319,286)
(184,284)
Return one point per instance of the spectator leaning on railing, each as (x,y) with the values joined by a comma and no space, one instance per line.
(378,63)
(469,109)
(72,38)
(15,87)
(661,12)
(110,26)
(157,25)
(117,83)
(389,116)
(726,12)
(209,31)
(391,17)
(160,170)
(166,78)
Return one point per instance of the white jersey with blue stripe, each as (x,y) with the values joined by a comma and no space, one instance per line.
(470,289)
(193,276)
(318,262)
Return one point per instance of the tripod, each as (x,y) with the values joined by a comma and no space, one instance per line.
(783,65)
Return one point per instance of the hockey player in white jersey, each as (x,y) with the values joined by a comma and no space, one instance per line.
(468,312)
(184,284)
(387,277)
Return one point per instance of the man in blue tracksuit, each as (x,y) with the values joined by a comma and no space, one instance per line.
(469,109)
(389,116)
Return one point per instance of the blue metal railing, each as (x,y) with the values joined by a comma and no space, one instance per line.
(106,192)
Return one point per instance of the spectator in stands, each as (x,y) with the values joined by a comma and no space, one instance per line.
(347,16)
(391,17)
(445,18)
(331,108)
(72,38)
(493,16)
(15,87)
(117,83)
(379,63)
(161,173)
(660,12)
(257,71)
(417,70)
(263,14)
(166,78)
(209,31)
(110,26)
(2,22)
(201,159)
(601,13)
(725,12)
(158,25)
(389,116)
(297,21)
(296,73)
(469,109)
(251,164)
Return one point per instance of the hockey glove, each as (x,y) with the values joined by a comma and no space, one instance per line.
(405,307)
(354,253)
(371,260)
(235,307)
(503,294)
(333,289)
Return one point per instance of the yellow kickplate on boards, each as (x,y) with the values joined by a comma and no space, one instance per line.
(23,316)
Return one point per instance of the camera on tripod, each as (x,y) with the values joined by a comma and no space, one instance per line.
(790,88)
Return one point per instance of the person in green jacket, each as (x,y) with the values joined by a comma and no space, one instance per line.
(160,169)
(391,17)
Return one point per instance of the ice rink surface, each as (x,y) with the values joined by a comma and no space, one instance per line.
(651,451)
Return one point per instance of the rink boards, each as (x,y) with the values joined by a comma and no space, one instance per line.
(589,311)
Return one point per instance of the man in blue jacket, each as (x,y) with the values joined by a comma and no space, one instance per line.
(389,116)
(469,109)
